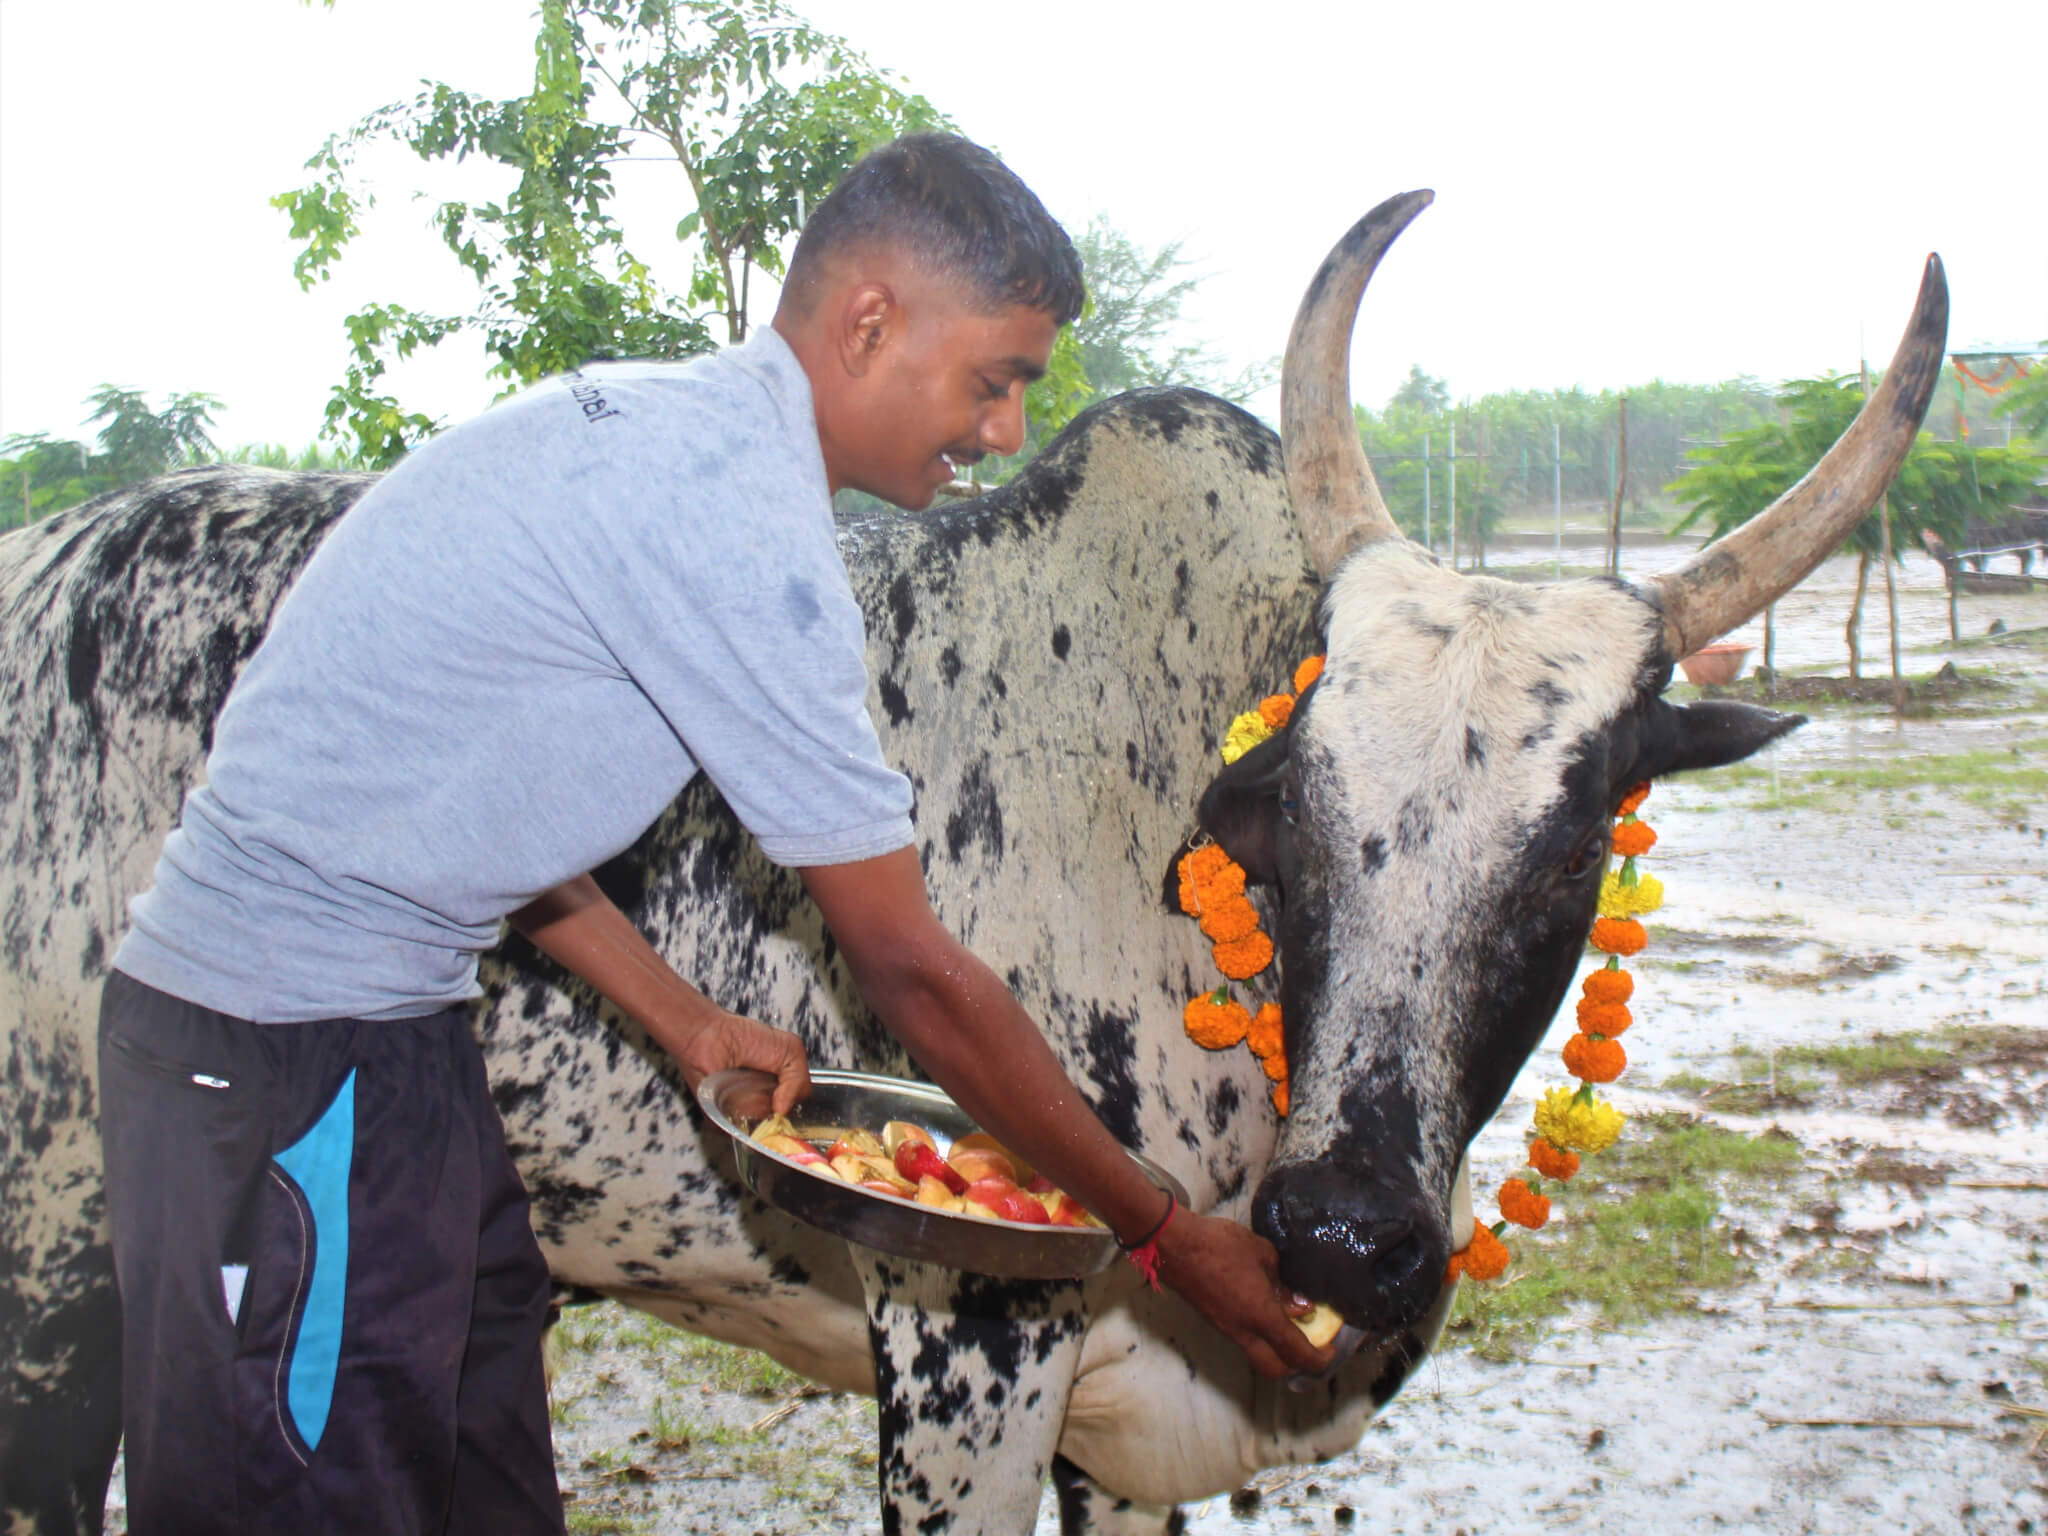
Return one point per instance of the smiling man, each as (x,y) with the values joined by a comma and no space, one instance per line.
(500,667)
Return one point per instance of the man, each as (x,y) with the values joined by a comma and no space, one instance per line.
(501,666)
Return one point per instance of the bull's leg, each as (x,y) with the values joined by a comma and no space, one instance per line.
(60,1315)
(60,1409)
(973,1377)
(1086,1509)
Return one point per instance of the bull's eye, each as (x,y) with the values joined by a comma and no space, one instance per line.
(1290,800)
(1587,858)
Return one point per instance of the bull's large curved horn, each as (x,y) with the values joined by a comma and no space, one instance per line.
(1744,572)
(1336,500)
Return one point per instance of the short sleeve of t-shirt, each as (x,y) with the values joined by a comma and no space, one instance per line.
(741,628)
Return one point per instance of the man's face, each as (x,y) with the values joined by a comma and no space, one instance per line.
(944,386)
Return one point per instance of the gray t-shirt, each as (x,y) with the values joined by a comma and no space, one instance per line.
(501,666)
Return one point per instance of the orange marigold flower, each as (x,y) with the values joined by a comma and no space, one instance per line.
(1234,918)
(1307,673)
(1594,1061)
(1484,1258)
(1276,1066)
(1608,1019)
(1208,876)
(1277,710)
(1523,1206)
(1242,959)
(1213,1025)
(1633,839)
(1605,986)
(1633,799)
(1618,935)
(1265,1038)
(1280,1097)
(1553,1162)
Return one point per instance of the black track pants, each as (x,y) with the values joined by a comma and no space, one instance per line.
(332,1302)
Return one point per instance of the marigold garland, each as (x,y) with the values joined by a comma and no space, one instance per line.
(1551,1161)
(1568,1121)
(1212,890)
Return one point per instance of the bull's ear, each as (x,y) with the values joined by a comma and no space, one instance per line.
(1716,732)
(1241,809)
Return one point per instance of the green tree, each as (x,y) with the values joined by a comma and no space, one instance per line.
(41,474)
(760,112)
(1421,393)
(1939,488)
(1127,338)
(2026,403)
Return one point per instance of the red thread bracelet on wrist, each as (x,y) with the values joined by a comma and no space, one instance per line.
(1144,1254)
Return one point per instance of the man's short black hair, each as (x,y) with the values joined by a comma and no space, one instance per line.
(960,213)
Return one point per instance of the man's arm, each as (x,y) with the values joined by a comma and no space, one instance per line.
(577,926)
(964,1028)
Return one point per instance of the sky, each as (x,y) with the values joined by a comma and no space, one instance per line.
(1624,192)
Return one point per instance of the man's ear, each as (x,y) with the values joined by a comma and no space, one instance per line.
(868,318)
(1241,808)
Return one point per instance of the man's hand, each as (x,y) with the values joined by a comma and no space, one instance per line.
(732,1040)
(1231,1276)
(576,926)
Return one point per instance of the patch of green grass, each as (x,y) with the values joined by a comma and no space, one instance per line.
(1759,1088)
(1910,1054)
(605,1522)
(1638,1236)
(727,1367)
(2004,780)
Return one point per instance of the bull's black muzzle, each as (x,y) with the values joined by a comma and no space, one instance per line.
(1375,1253)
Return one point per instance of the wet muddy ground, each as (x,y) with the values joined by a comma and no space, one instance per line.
(1805,1294)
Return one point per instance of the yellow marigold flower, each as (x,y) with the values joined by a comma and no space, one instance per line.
(1246,732)
(1637,900)
(1577,1127)
(1307,673)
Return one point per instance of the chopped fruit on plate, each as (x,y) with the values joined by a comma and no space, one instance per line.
(981,1141)
(897,1132)
(977,1177)
(1319,1324)
(919,1160)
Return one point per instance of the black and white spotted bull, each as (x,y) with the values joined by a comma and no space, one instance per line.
(1052,665)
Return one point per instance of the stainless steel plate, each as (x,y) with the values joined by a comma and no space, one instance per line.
(738,1100)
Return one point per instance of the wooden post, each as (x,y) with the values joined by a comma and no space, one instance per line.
(1620,482)
(1884,523)
(1855,627)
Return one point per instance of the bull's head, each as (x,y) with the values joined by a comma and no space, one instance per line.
(1437,814)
